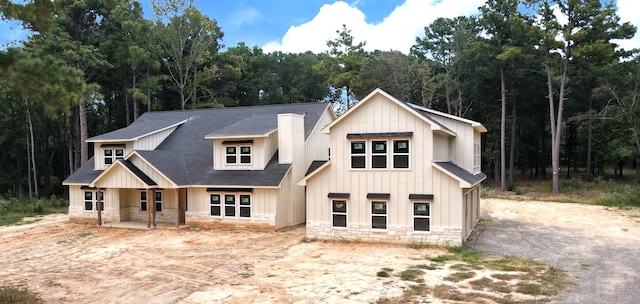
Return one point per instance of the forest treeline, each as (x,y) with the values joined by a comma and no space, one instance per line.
(546,77)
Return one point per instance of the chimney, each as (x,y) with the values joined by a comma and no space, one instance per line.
(291,139)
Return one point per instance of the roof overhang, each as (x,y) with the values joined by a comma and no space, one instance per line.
(303,181)
(241,136)
(140,180)
(139,136)
(463,183)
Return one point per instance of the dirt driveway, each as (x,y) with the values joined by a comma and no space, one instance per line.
(599,246)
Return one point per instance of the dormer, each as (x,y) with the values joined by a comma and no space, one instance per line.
(144,134)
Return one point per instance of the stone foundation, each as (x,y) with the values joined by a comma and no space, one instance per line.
(450,236)
(261,222)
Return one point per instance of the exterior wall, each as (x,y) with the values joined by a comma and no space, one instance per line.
(119,177)
(151,172)
(317,144)
(460,146)
(150,142)
(379,115)
(291,201)
(99,153)
(262,150)
(263,209)
(77,213)
(441,145)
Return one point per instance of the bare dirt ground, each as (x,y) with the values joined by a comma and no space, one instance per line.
(77,263)
(598,246)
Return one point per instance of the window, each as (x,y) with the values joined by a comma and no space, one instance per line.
(339,213)
(143,200)
(244,155)
(245,206)
(215,204)
(401,154)
(90,201)
(421,216)
(378,215)
(110,155)
(229,205)
(158,201)
(358,156)
(476,156)
(379,154)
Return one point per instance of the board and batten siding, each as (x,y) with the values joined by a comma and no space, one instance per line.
(99,153)
(162,181)
(152,141)
(460,146)
(380,115)
(119,177)
(263,206)
(259,153)
(317,144)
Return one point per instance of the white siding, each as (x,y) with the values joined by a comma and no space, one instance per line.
(151,142)
(317,144)
(99,153)
(460,146)
(259,153)
(263,206)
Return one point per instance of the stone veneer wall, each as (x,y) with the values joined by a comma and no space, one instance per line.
(78,214)
(399,234)
(264,222)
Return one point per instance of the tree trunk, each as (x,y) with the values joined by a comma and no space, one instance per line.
(127,109)
(29,169)
(32,154)
(589,143)
(556,121)
(136,111)
(512,147)
(84,148)
(149,107)
(447,97)
(503,120)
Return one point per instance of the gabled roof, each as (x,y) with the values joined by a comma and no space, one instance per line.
(435,125)
(130,168)
(145,125)
(315,167)
(425,111)
(185,157)
(466,178)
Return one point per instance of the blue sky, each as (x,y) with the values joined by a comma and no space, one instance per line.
(301,25)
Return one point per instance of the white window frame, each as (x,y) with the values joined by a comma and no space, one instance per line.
(344,213)
(144,200)
(385,155)
(158,201)
(212,204)
(235,205)
(93,200)
(407,154)
(414,217)
(242,205)
(363,154)
(385,215)
(238,154)
(476,157)
(113,157)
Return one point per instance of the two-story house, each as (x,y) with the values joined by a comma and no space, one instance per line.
(397,172)
(232,166)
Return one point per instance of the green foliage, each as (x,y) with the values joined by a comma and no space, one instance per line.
(13,210)
(629,196)
(17,295)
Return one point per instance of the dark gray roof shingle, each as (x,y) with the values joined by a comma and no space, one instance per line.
(144,125)
(314,166)
(461,172)
(84,175)
(145,178)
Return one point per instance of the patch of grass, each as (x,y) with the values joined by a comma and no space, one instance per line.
(76,238)
(425,267)
(460,276)
(13,210)
(412,274)
(421,245)
(17,295)
(505,277)
(629,196)
(409,293)
(585,266)
(383,274)
(308,240)
(246,273)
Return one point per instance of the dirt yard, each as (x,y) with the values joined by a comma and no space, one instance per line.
(76,263)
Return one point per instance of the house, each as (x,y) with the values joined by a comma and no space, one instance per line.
(234,167)
(384,170)
(397,172)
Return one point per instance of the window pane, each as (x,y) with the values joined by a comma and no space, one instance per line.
(379,161)
(245,200)
(401,161)
(339,220)
(215,198)
(379,146)
(378,207)
(119,152)
(88,205)
(231,159)
(379,222)
(229,210)
(357,162)
(143,195)
(245,212)
(231,150)
(401,146)
(339,206)
(158,196)
(357,147)
(143,206)
(421,224)
(245,150)
(215,210)
(88,195)
(245,159)
(158,206)
(108,161)
(108,152)
(230,199)
(421,209)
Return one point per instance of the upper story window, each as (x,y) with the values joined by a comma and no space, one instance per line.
(379,154)
(358,154)
(111,154)
(238,155)
(476,156)
(401,154)
(383,153)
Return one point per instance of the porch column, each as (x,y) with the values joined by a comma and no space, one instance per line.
(99,206)
(153,206)
(176,196)
(149,207)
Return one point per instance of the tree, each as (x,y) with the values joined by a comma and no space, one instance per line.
(341,67)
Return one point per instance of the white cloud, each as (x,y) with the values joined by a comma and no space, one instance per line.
(628,12)
(246,16)
(398,31)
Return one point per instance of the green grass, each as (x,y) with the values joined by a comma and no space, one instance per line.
(629,196)
(13,210)
(17,295)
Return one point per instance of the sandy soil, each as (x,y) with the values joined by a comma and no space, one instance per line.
(76,263)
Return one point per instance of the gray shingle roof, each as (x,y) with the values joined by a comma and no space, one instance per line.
(145,178)
(144,125)
(426,115)
(461,172)
(186,157)
(314,166)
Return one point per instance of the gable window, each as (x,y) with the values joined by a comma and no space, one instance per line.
(378,215)
(245,205)
(110,155)
(143,200)
(91,202)
(358,154)
(401,154)
(379,154)
(214,202)
(243,153)
(339,213)
(158,201)
(421,216)
(476,156)
(229,205)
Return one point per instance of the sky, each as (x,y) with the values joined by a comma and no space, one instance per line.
(306,25)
